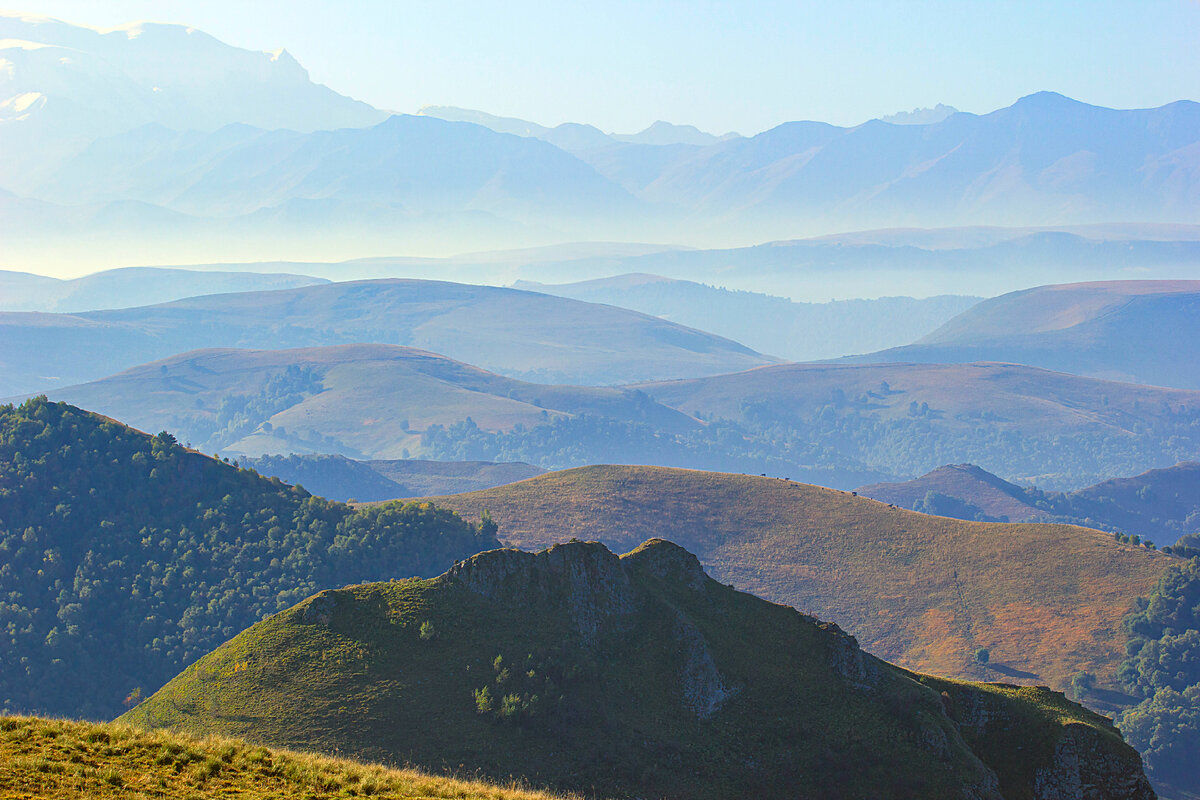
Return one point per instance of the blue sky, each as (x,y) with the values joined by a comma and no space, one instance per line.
(722,66)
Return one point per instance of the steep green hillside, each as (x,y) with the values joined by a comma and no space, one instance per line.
(1060,431)
(521,334)
(45,758)
(636,676)
(1160,505)
(924,592)
(1139,331)
(124,557)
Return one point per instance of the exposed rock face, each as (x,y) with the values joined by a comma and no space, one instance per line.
(320,608)
(849,661)
(595,584)
(1083,770)
(704,689)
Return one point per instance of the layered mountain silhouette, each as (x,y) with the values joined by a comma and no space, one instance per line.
(259,159)
(768,323)
(366,401)
(1140,331)
(132,286)
(534,336)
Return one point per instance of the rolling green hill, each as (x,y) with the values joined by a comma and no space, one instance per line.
(124,556)
(45,758)
(924,592)
(636,676)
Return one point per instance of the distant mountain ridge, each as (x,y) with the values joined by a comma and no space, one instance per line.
(533,336)
(574,137)
(1138,331)
(769,324)
(370,184)
(1160,505)
(132,286)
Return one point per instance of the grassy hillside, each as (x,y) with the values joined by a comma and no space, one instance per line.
(924,592)
(1139,331)
(1061,431)
(364,401)
(1160,505)
(124,556)
(45,758)
(521,334)
(635,676)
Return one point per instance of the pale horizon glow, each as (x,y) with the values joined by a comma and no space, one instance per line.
(720,66)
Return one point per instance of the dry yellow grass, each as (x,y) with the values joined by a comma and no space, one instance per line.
(42,758)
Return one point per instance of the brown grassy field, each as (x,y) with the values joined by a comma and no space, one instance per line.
(924,592)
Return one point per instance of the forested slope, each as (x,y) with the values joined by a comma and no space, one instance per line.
(124,557)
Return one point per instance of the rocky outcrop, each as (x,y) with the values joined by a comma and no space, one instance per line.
(585,577)
(848,660)
(319,608)
(668,561)
(703,688)
(1084,769)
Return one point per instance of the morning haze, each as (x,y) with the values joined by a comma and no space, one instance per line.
(640,400)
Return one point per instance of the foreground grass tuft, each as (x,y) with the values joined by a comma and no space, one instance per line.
(42,758)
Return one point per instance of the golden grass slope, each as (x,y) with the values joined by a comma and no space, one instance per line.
(923,592)
(44,758)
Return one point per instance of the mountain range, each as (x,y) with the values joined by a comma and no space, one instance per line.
(1058,430)
(64,85)
(127,150)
